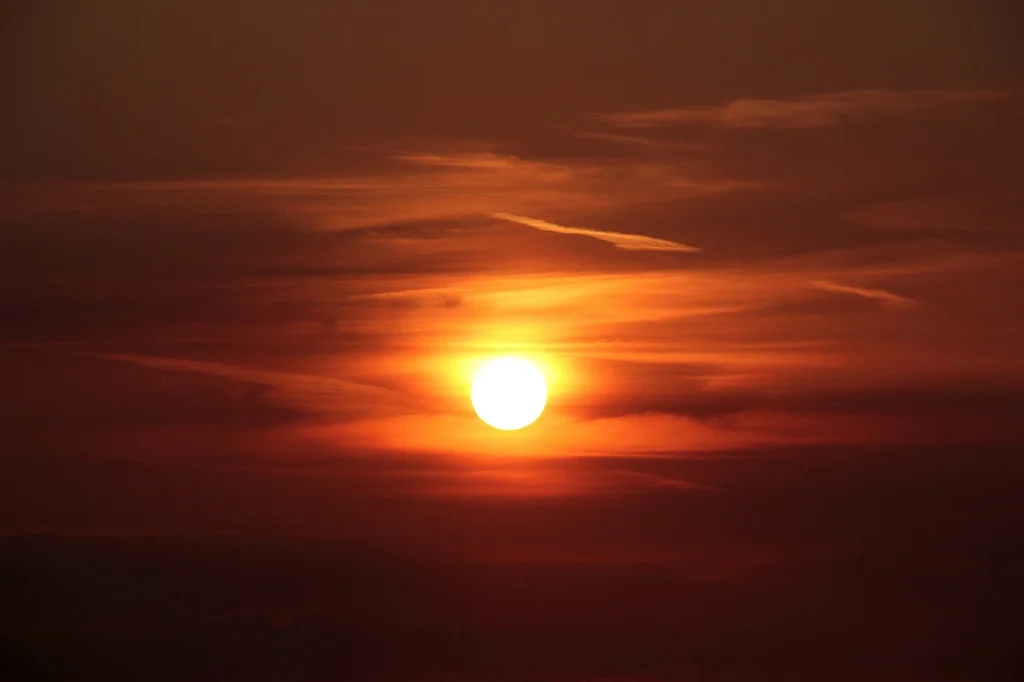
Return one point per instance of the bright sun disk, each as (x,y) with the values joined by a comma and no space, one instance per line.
(509,393)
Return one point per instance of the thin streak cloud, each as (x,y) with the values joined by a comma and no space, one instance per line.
(807,111)
(666,482)
(305,392)
(638,141)
(629,242)
(882,295)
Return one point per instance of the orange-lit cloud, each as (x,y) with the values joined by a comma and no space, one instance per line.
(629,242)
(882,295)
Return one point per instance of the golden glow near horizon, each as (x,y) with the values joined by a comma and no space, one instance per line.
(509,393)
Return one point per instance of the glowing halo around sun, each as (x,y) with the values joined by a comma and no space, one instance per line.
(509,393)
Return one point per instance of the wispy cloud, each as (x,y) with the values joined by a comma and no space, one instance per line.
(622,240)
(993,211)
(637,140)
(887,297)
(480,160)
(666,482)
(807,111)
(305,392)
(409,187)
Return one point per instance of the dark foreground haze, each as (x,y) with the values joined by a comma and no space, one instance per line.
(814,565)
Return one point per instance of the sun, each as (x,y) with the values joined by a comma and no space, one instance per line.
(509,393)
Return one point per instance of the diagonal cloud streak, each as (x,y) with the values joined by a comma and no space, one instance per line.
(248,374)
(637,141)
(664,481)
(882,295)
(306,392)
(622,240)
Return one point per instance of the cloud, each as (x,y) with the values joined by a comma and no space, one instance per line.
(477,160)
(666,482)
(406,187)
(807,111)
(637,141)
(310,393)
(993,211)
(887,297)
(629,242)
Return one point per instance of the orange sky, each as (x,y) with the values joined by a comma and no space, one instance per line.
(709,245)
(768,254)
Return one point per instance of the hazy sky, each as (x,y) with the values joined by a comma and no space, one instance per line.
(274,239)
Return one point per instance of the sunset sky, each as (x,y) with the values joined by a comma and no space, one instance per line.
(769,256)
